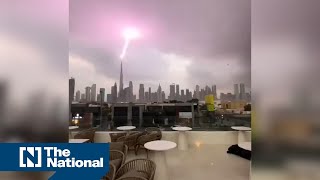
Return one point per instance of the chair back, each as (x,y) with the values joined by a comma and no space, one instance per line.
(142,165)
(112,172)
(155,130)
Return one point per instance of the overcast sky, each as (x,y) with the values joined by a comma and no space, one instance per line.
(202,42)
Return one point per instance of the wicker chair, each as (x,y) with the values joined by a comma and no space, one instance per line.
(112,172)
(137,169)
(130,140)
(116,158)
(132,178)
(120,146)
(114,136)
(86,134)
(144,139)
(150,130)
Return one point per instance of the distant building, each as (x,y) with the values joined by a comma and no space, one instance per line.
(78,94)
(236,91)
(130,98)
(177,92)
(182,97)
(163,96)
(109,98)
(102,94)
(172,92)
(99,98)
(197,92)
(141,93)
(159,94)
(93,92)
(114,92)
(83,97)
(88,94)
(242,91)
(149,97)
(214,91)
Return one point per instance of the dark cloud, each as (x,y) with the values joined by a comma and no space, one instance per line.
(206,32)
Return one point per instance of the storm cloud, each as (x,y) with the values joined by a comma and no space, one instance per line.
(199,42)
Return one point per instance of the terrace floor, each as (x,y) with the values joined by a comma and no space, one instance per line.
(202,162)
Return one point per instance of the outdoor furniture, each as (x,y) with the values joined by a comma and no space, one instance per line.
(114,136)
(86,134)
(112,172)
(245,145)
(160,146)
(72,128)
(182,139)
(120,146)
(130,139)
(140,169)
(126,128)
(241,133)
(154,130)
(78,140)
(116,158)
(144,139)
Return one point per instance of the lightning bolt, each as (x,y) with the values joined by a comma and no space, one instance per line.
(125,47)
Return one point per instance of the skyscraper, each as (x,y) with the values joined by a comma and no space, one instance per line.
(130,98)
(214,91)
(141,93)
(159,94)
(236,91)
(172,92)
(103,94)
(99,98)
(182,97)
(149,97)
(88,89)
(177,92)
(242,91)
(197,93)
(93,92)
(83,97)
(121,94)
(114,93)
(78,96)
(188,95)
(163,96)
(126,93)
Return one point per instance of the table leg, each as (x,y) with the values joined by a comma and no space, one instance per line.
(182,141)
(161,171)
(241,136)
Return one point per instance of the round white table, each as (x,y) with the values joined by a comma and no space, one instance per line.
(126,128)
(241,133)
(159,158)
(245,145)
(182,137)
(73,127)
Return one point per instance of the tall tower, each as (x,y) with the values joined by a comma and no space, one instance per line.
(93,92)
(236,91)
(121,94)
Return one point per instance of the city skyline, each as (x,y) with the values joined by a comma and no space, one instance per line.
(121,93)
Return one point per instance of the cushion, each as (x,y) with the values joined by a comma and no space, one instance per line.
(236,150)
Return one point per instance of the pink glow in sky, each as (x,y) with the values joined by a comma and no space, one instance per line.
(129,34)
